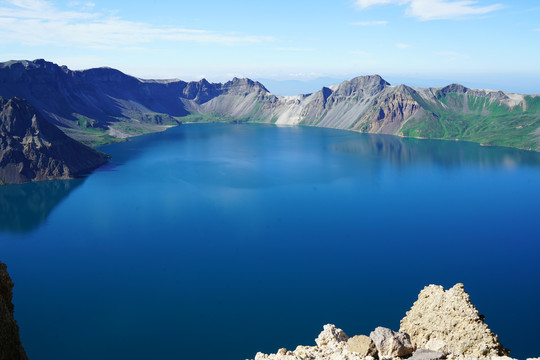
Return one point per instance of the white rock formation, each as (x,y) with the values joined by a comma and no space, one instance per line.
(447,321)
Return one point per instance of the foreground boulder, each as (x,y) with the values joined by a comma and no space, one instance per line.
(391,344)
(362,345)
(10,344)
(448,322)
(32,149)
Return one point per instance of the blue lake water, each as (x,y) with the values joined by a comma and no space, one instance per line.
(218,240)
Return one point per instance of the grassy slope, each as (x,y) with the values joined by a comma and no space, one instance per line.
(89,132)
(486,122)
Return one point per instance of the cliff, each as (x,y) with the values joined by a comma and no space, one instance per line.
(32,149)
(10,344)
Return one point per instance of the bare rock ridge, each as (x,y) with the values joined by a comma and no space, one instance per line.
(33,149)
(441,325)
(10,344)
(118,105)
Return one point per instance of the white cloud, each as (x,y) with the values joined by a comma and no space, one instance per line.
(441,9)
(436,9)
(38,22)
(370,23)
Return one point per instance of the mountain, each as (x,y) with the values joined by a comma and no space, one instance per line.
(33,149)
(103,105)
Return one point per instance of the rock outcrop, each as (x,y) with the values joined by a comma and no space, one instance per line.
(10,344)
(32,149)
(362,345)
(391,344)
(331,345)
(447,321)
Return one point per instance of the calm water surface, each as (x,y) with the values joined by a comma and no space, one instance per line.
(218,241)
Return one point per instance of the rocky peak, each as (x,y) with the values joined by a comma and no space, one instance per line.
(369,85)
(242,86)
(17,118)
(452,88)
(105,75)
(25,71)
(200,91)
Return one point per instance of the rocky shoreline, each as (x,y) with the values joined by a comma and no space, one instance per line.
(442,324)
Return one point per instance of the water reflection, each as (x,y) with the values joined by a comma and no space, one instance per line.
(25,207)
(448,154)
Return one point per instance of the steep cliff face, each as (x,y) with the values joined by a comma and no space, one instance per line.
(10,344)
(32,149)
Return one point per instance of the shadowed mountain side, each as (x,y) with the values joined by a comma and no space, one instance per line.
(32,149)
(97,105)
(24,207)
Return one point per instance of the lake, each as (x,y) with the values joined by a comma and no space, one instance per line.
(220,240)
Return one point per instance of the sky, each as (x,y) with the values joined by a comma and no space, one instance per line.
(484,43)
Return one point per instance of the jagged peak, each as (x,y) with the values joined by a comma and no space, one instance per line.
(367,84)
(244,82)
(17,115)
(369,79)
(27,64)
(452,88)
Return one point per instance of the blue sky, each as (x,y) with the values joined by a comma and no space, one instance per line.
(491,43)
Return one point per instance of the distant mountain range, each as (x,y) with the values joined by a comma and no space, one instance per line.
(104,105)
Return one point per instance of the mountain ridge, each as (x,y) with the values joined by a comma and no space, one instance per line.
(103,105)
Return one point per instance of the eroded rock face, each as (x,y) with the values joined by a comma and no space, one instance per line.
(447,321)
(10,344)
(391,344)
(32,149)
(331,336)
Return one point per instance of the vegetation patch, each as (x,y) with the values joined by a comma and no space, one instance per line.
(487,121)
